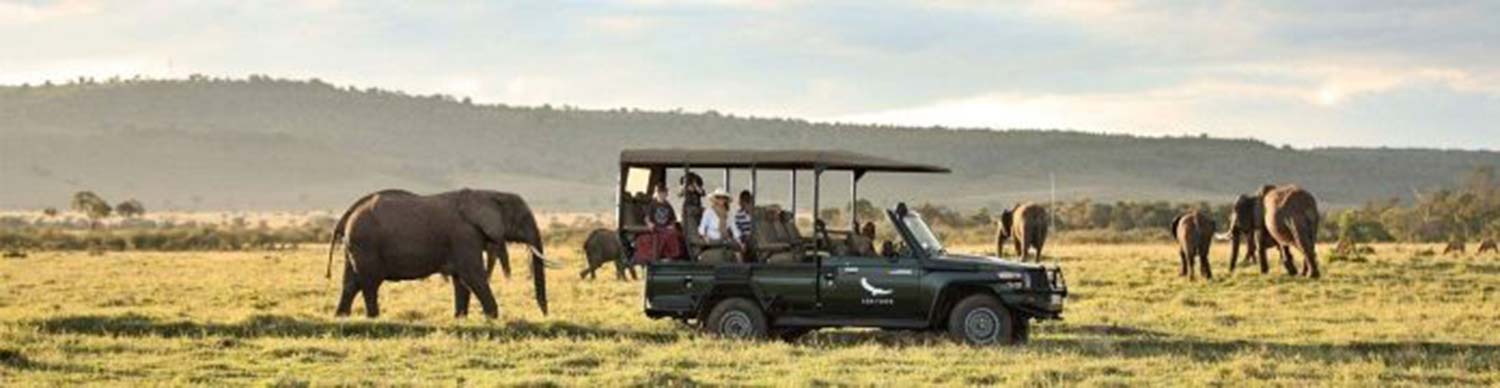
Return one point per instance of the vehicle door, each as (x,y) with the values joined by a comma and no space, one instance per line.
(873,286)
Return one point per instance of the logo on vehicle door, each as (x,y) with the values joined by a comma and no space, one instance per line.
(865,282)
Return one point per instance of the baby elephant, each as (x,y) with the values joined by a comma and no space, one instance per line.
(1454,246)
(1195,234)
(603,245)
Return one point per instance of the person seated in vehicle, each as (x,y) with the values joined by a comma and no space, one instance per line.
(863,243)
(664,240)
(720,237)
(743,224)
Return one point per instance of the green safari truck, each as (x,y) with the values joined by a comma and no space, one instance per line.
(830,277)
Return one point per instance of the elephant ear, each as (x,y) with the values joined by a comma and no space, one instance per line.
(484,213)
(1172,228)
(1007,218)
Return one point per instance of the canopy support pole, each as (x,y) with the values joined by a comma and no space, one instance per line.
(854,200)
(792,192)
(817,193)
(754,184)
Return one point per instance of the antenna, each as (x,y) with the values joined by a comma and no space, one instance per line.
(1052,213)
(1052,201)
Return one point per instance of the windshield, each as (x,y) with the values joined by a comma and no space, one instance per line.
(925,238)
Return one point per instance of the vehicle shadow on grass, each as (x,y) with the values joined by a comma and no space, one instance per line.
(1400,356)
(1128,342)
(277,326)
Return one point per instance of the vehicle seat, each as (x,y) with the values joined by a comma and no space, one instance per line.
(776,237)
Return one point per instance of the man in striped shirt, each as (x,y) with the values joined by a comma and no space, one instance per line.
(742,222)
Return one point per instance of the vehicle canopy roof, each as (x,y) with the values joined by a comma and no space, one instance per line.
(769,160)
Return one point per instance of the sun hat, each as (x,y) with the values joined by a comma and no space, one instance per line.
(719,193)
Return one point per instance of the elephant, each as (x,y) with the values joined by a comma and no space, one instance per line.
(1247,223)
(394,235)
(1194,231)
(1025,226)
(1487,245)
(603,245)
(1455,246)
(1291,219)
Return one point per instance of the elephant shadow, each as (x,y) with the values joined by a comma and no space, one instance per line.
(280,326)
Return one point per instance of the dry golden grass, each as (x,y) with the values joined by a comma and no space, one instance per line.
(1396,318)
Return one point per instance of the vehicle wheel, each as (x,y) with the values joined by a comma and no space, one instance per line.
(737,318)
(981,320)
(791,334)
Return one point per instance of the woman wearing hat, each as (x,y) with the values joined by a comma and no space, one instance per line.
(718,230)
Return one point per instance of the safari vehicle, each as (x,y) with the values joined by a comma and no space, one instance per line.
(819,280)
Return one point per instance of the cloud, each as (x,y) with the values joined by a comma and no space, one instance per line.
(1284,71)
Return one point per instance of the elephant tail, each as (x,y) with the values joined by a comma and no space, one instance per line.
(339,229)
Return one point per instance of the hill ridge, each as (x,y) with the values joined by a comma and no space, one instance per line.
(264,143)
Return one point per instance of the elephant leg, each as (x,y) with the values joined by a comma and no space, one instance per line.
(619,270)
(1288,261)
(1020,249)
(1234,251)
(588,272)
(480,285)
(631,268)
(1260,256)
(1182,263)
(1208,274)
(1039,252)
(460,298)
(1310,261)
(371,291)
(346,298)
(497,252)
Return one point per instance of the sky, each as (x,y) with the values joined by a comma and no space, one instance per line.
(1326,73)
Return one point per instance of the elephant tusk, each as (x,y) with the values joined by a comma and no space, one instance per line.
(545,261)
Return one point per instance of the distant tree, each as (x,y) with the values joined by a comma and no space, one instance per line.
(50,212)
(131,208)
(91,205)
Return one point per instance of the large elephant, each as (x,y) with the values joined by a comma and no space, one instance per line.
(1195,235)
(1025,226)
(603,246)
(398,235)
(1291,219)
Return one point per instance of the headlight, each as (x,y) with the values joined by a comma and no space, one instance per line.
(1014,279)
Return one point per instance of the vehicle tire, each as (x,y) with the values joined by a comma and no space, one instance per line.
(736,318)
(980,319)
(791,334)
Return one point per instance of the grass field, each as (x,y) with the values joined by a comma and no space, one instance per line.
(1396,318)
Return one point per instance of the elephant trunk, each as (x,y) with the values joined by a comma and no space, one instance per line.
(539,274)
